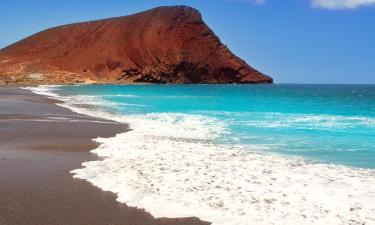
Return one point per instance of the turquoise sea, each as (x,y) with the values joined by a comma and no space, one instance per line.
(235,154)
(326,123)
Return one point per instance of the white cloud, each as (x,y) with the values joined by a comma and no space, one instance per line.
(326,4)
(341,4)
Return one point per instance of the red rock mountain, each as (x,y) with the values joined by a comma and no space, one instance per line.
(161,45)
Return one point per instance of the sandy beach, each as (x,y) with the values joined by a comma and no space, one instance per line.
(40,143)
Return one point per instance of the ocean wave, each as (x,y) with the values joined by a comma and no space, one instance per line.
(174,165)
(46,90)
(227,185)
(82,100)
(287,120)
(118,95)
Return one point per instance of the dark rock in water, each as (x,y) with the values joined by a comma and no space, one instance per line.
(161,45)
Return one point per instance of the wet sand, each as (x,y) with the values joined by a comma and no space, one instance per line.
(40,143)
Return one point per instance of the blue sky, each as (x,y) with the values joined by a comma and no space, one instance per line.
(294,41)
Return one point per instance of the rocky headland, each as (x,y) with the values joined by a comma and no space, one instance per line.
(161,45)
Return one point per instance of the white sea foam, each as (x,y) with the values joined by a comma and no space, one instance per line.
(122,95)
(172,166)
(46,90)
(306,121)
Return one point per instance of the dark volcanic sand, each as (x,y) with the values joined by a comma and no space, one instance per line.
(39,145)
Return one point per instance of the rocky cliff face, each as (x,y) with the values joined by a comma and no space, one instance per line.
(161,45)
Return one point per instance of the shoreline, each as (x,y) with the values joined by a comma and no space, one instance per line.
(142,168)
(40,143)
(257,188)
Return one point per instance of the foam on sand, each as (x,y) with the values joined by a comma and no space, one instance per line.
(173,165)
